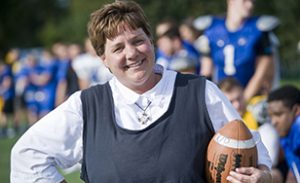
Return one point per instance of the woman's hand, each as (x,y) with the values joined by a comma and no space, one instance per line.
(261,174)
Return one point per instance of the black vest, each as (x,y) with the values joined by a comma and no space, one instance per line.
(171,150)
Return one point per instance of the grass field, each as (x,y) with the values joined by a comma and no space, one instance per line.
(6,145)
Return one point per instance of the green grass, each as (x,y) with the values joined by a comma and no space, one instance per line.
(73,178)
(5,146)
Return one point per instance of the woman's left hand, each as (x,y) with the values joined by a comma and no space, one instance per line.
(250,175)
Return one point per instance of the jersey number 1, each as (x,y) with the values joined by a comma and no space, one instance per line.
(229,68)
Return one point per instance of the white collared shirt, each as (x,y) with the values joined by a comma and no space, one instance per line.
(56,140)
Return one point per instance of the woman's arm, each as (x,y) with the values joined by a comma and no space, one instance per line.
(52,142)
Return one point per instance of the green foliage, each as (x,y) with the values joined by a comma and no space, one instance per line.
(295,82)
(72,26)
(20,21)
(288,32)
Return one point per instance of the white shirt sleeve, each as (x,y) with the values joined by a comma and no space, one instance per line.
(270,138)
(52,142)
(221,111)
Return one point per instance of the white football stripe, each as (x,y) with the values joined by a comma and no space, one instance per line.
(232,143)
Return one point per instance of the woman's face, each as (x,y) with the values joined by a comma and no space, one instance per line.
(130,57)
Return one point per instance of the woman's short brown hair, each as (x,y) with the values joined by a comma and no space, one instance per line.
(111,19)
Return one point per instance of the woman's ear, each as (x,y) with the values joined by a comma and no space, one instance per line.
(103,59)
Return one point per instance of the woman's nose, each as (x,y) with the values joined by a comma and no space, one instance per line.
(131,52)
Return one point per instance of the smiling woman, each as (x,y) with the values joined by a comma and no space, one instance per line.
(128,50)
(130,57)
(146,124)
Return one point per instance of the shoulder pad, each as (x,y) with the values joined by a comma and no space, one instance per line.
(202,44)
(203,22)
(267,23)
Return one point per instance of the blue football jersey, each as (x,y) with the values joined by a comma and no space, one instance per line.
(234,53)
(291,146)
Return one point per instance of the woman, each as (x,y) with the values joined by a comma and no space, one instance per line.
(132,128)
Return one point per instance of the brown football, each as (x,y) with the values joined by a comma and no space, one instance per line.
(231,147)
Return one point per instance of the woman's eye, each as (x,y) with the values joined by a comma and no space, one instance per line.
(117,50)
(139,41)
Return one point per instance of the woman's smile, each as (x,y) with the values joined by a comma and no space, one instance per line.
(134,65)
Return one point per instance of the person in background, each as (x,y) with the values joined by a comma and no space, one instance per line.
(62,61)
(67,78)
(39,91)
(184,65)
(234,91)
(284,110)
(131,128)
(187,30)
(74,50)
(46,80)
(239,46)
(89,68)
(171,46)
(7,93)
(13,61)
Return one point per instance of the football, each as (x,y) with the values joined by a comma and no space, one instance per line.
(231,147)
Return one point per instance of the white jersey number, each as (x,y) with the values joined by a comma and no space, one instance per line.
(229,68)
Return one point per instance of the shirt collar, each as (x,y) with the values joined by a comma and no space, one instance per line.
(130,97)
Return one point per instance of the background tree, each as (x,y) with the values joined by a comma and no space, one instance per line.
(20,21)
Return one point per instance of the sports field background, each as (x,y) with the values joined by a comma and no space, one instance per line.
(6,145)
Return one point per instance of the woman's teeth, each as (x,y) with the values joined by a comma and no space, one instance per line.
(134,64)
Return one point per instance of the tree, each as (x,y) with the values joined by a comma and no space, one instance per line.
(19,24)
